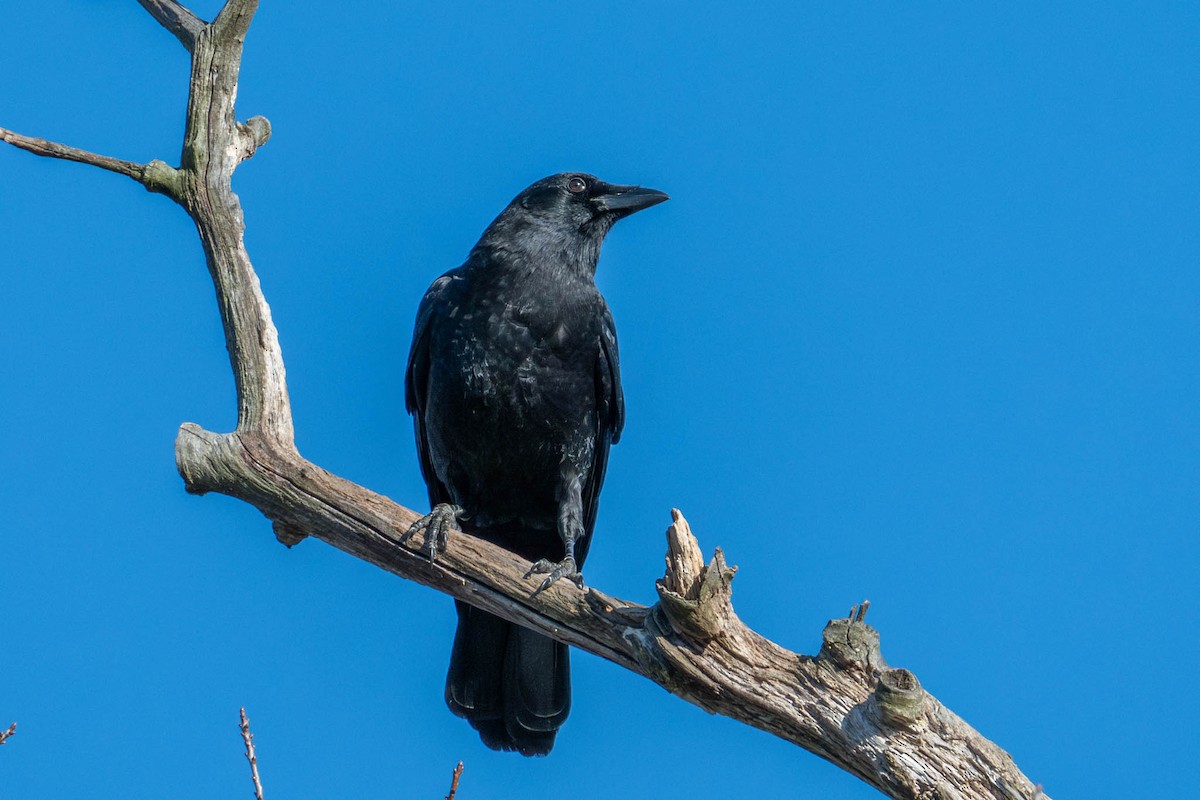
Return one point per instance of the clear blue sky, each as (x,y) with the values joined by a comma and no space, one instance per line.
(919,325)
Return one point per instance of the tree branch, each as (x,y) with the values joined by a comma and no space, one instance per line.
(234,20)
(844,704)
(155,176)
(214,144)
(178,20)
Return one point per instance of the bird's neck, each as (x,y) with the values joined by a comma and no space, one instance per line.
(547,251)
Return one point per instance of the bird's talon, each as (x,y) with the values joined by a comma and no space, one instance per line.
(413,529)
(436,524)
(553,572)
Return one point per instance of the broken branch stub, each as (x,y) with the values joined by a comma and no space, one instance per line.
(696,599)
(851,644)
(899,697)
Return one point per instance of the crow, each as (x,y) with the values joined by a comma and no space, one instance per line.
(514,385)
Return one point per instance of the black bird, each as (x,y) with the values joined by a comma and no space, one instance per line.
(514,385)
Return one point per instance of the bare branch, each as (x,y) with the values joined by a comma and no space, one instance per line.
(898,738)
(155,176)
(13,729)
(214,145)
(177,19)
(454,781)
(234,20)
(248,738)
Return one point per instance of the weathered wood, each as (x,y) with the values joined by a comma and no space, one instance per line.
(178,20)
(844,704)
(155,176)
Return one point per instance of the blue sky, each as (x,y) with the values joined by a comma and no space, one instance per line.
(918,325)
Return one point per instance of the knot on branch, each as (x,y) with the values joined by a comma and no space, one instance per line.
(288,535)
(159,176)
(695,598)
(899,698)
(254,133)
(852,644)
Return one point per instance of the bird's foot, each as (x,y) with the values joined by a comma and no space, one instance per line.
(563,569)
(436,524)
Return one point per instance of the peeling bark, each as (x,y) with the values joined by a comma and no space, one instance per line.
(845,704)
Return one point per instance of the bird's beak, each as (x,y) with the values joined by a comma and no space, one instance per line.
(625,200)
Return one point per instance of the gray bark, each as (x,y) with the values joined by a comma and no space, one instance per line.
(844,704)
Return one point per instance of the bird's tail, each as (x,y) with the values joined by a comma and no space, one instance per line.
(511,684)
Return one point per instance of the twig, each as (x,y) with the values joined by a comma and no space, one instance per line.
(248,738)
(156,176)
(43,147)
(454,781)
(858,613)
(13,729)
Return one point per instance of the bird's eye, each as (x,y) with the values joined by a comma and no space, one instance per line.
(576,185)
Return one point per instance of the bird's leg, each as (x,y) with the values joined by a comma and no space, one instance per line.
(570,528)
(436,524)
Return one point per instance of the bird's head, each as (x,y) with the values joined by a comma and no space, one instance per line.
(564,218)
(585,203)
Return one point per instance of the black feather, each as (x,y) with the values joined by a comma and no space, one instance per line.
(514,384)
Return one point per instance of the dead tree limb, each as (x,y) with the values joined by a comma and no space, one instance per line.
(844,704)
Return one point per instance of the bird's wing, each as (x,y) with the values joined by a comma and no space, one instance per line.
(416,380)
(609,385)
(610,420)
